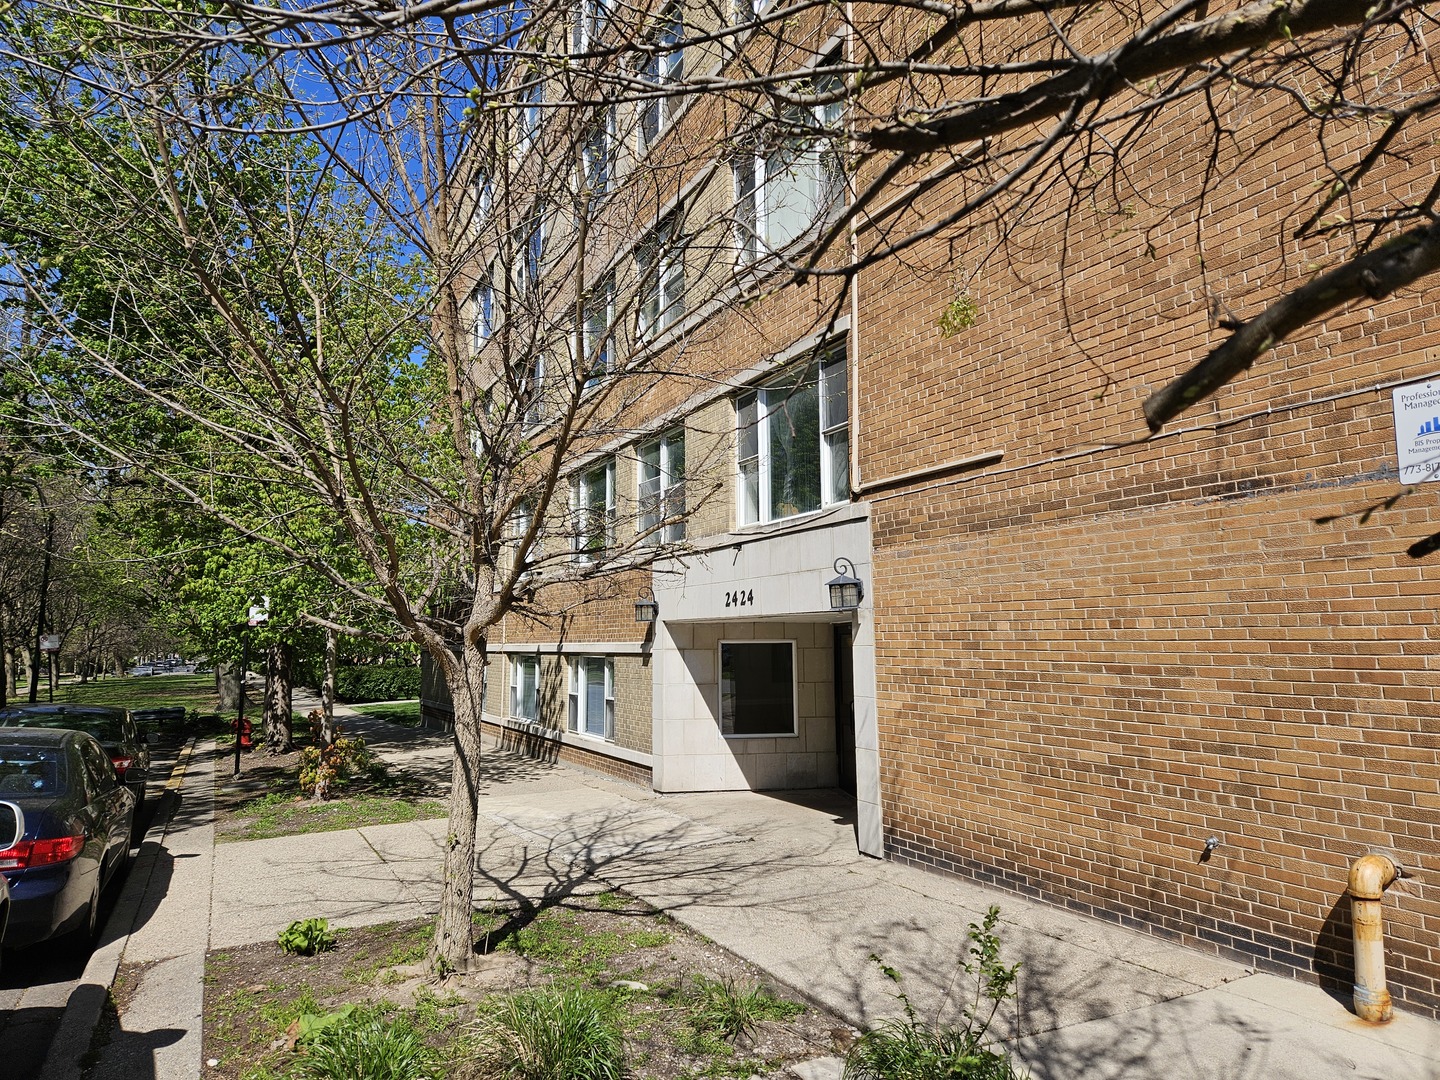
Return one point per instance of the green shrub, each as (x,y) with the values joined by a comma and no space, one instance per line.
(306,937)
(377,682)
(551,1034)
(365,1047)
(324,769)
(910,1049)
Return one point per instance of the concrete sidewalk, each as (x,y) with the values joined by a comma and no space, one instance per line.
(777,881)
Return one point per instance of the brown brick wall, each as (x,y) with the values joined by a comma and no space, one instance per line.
(1102,650)
(538,746)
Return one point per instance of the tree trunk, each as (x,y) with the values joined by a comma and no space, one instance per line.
(279,716)
(227,686)
(452,947)
(327,687)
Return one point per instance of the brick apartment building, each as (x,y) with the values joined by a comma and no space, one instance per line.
(1179,682)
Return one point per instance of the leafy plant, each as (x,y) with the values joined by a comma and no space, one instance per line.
(309,1025)
(722,1008)
(960,314)
(323,769)
(910,1049)
(365,1047)
(306,937)
(551,1034)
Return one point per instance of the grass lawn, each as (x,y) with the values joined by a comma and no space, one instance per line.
(132,692)
(406,713)
(284,814)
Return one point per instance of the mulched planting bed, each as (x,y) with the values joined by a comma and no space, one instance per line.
(265,799)
(651,971)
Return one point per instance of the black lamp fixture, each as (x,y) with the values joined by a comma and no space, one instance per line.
(845,590)
(647,610)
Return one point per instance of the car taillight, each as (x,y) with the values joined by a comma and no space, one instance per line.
(122,763)
(28,853)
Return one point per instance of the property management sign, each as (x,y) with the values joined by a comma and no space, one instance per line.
(1417,431)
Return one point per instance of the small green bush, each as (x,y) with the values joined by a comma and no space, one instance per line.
(911,1049)
(551,1034)
(324,769)
(377,682)
(365,1047)
(306,937)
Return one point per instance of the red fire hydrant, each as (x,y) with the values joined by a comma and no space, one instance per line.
(246,730)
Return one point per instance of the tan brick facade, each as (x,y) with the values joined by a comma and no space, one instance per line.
(1091,650)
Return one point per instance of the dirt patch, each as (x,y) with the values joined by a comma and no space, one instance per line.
(651,970)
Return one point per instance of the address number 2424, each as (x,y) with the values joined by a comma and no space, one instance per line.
(739,598)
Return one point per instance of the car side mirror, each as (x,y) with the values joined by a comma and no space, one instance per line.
(135,775)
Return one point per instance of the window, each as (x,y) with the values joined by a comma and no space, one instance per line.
(590,19)
(525,687)
(783,189)
(598,153)
(482,314)
(598,338)
(662,489)
(511,558)
(532,98)
(660,263)
(484,192)
(529,240)
(794,442)
(530,393)
(757,688)
(592,696)
(592,496)
(664,68)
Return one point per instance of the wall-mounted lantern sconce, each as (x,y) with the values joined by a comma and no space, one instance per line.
(845,590)
(647,610)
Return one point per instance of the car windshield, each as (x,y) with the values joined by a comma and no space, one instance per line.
(32,770)
(104,728)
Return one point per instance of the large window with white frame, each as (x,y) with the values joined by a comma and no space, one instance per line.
(793,180)
(598,338)
(660,266)
(663,70)
(482,314)
(598,153)
(530,391)
(592,696)
(591,17)
(662,489)
(525,687)
(511,557)
(529,252)
(757,689)
(794,441)
(592,502)
(532,96)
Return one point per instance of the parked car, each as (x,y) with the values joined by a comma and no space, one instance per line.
(76,820)
(115,729)
(12,827)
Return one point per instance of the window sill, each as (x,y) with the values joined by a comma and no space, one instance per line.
(776,735)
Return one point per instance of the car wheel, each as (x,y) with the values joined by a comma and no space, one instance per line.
(81,940)
(137,823)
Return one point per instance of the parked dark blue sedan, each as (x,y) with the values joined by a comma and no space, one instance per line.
(77,821)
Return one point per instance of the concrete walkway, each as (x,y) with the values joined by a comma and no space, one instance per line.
(775,880)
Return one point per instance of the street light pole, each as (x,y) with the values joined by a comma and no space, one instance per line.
(240,703)
(259,613)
